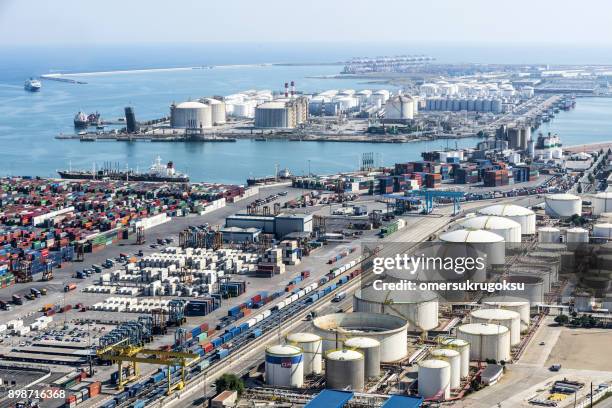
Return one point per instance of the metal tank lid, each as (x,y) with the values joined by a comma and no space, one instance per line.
(489,222)
(190,105)
(604,194)
(471,235)
(496,314)
(445,353)
(283,350)
(303,337)
(434,363)
(369,294)
(344,354)
(577,230)
(563,197)
(505,301)
(361,342)
(483,328)
(603,225)
(549,229)
(455,342)
(506,210)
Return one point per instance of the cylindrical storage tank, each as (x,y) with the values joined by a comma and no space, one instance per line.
(217,110)
(602,202)
(583,302)
(190,115)
(562,205)
(463,347)
(549,234)
(390,331)
(534,286)
(489,243)
(419,308)
(506,228)
(522,215)
(602,231)
(516,304)
(272,115)
(454,359)
(284,366)
(312,348)
(344,369)
(503,317)
(434,378)
(487,341)
(577,235)
(370,348)
(399,107)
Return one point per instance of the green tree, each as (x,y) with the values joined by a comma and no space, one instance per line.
(562,319)
(230,382)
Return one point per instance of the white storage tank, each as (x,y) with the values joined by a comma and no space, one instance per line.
(517,304)
(583,302)
(434,378)
(488,242)
(487,341)
(602,203)
(602,231)
(522,215)
(284,366)
(562,205)
(344,369)
(312,347)
(390,331)
(549,235)
(454,359)
(463,347)
(190,115)
(399,107)
(370,348)
(535,287)
(577,235)
(506,228)
(419,308)
(217,108)
(503,317)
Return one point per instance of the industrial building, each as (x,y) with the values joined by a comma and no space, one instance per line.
(282,113)
(280,225)
(240,235)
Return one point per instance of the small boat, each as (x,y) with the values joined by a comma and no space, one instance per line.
(32,85)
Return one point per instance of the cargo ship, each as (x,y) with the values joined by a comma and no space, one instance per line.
(32,85)
(81,120)
(158,172)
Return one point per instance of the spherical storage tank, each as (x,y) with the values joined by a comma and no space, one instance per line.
(463,347)
(419,308)
(217,110)
(549,234)
(370,348)
(487,341)
(312,347)
(454,359)
(503,317)
(602,231)
(514,303)
(434,377)
(399,107)
(484,241)
(190,115)
(344,369)
(284,366)
(562,205)
(522,215)
(508,229)
(602,202)
(390,331)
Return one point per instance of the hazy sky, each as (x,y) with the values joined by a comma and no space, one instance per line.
(587,22)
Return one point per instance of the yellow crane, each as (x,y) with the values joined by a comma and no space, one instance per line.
(121,353)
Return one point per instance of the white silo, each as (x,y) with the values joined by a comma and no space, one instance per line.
(577,235)
(602,231)
(380,97)
(487,341)
(503,317)
(463,347)
(434,378)
(517,304)
(522,215)
(602,202)
(312,347)
(429,89)
(583,302)
(489,243)
(370,348)
(506,228)
(344,369)
(190,115)
(399,107)
(454,359)
(217,110)
(533,281)
(284,366)
(549,235)
(419,308)
(563,205)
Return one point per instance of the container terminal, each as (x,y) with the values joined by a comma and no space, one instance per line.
(119,293)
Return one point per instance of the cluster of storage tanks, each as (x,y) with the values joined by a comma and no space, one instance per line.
(202,114)
(332,102)
(474,89)
(494,105)
(242,104)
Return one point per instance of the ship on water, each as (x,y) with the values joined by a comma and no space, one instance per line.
(32,85)
(158,172)
(81,120)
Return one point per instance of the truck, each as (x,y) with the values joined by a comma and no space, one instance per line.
(96,268)
(69,287)
(339,297)
(35,292)
(17,300)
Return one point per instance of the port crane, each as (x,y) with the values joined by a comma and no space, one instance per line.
(122,352)
(428,196)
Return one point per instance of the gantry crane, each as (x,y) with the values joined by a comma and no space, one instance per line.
(121,352)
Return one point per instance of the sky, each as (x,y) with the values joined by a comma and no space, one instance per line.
(73,22)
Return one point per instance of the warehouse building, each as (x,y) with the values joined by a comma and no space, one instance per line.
(279,225)
(240,235)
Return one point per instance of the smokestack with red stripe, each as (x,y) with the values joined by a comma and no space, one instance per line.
(292,89)
(286,89)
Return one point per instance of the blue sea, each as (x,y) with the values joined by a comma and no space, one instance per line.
(29,121)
